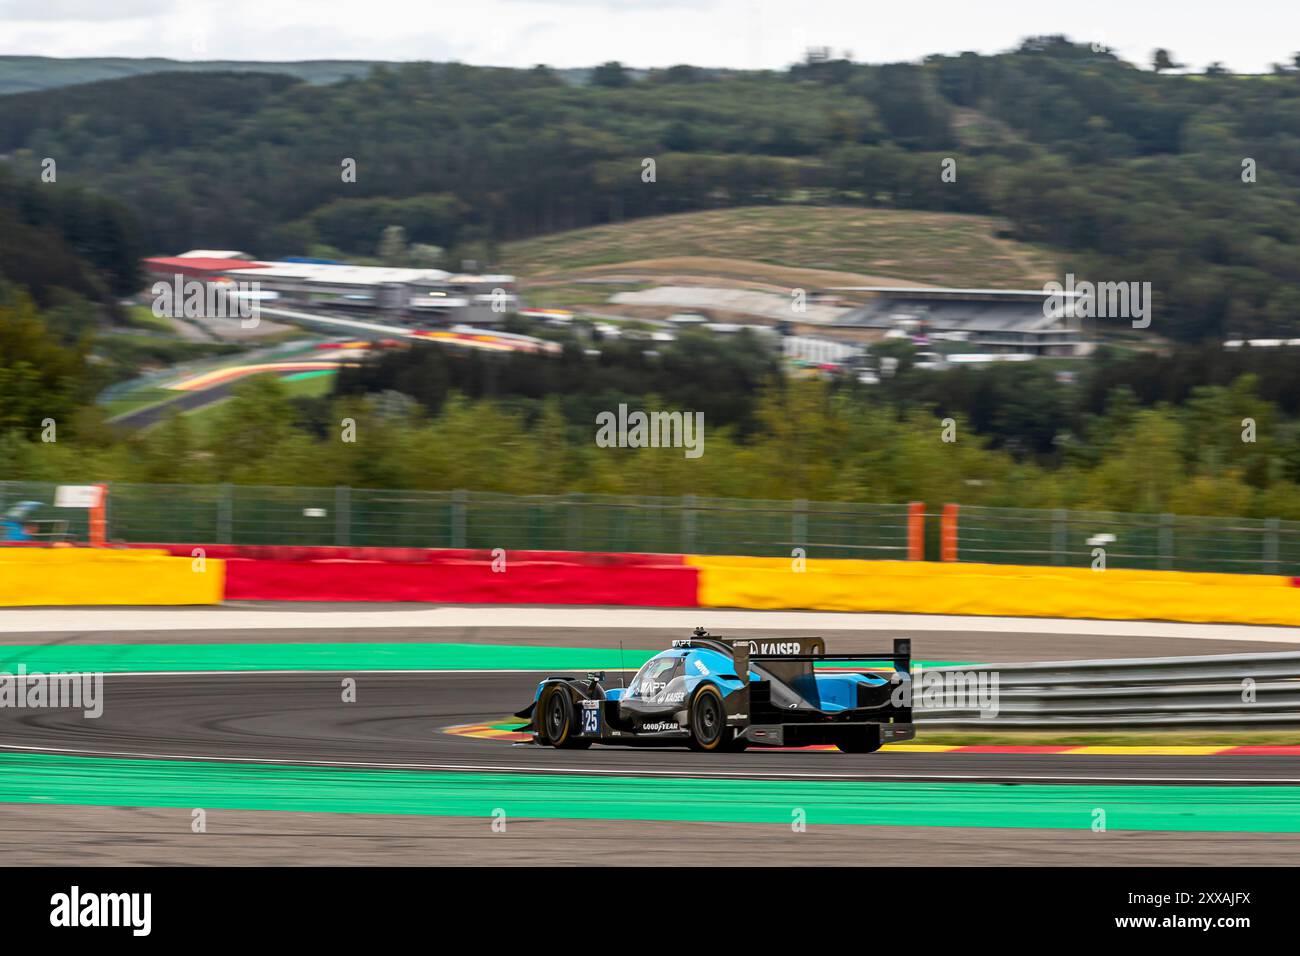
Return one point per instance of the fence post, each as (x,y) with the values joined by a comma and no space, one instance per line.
(948,533)
(688,524)
(916,531)
(459,518)
(99,518)
(1166,542)
(799,524)
(225,515)
(1059,537)
(342,516)
(1271,528)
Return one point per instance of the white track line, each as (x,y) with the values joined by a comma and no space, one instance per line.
(702,775)
(249,617)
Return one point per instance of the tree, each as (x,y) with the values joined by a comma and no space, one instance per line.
(422,255)
(612,74)
(682,73)
(1161,60)
(392,246)
(255,424)
(40,379)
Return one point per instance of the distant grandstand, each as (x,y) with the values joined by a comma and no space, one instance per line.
(427,296)
(995,320)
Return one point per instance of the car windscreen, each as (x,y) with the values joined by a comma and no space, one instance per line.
(652,677)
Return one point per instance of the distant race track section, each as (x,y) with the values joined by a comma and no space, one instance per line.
(94,576)
(1001,590)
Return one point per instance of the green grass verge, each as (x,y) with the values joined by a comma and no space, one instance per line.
(314,384)
(139,399)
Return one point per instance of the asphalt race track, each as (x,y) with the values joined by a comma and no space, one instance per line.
(398,721)
(266,727)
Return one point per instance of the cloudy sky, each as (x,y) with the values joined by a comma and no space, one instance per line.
(1248,37)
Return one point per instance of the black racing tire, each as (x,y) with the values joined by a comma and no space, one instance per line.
(555,717)
(863,742)
(708,716)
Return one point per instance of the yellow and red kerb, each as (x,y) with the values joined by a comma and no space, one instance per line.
(506,732)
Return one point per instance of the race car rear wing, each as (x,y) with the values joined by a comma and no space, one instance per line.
(811,649)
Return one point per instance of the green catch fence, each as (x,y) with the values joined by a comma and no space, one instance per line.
(364,517)
(1142,541)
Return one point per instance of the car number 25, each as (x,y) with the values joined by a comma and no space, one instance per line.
(591,720)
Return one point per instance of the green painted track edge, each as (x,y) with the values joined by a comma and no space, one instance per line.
(42,779)
(314,656)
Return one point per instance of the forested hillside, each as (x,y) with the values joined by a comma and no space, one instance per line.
(58,240)
(807,440)
(1128,174)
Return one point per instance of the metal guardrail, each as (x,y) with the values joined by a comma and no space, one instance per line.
(1219,691)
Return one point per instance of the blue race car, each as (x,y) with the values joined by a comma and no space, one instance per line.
(713,694)
(15,524)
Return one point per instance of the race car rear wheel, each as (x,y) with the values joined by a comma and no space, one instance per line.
(555,721)
(708,719)
(866,741)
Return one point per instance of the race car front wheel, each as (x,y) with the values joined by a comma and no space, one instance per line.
(555,721)
(708,719)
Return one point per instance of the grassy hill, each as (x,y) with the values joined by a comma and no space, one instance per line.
(872,244)
(23,74)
